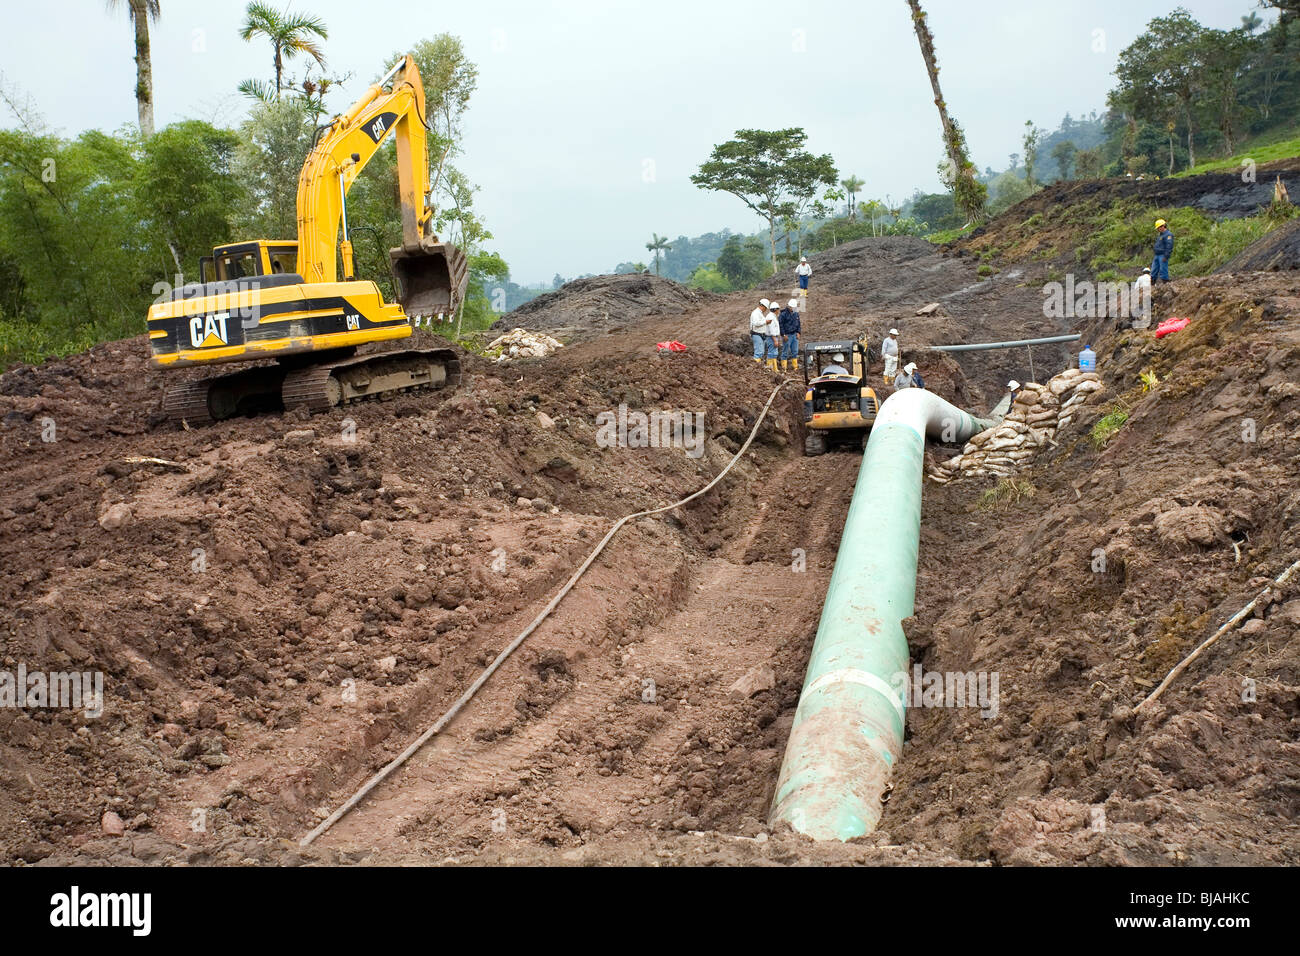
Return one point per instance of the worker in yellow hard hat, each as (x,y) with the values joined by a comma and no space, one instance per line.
(1164,249)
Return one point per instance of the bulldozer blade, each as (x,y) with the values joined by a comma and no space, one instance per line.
(430,277)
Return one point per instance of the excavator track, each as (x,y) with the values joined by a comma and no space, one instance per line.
(370,377)
(319,386)
(214,399)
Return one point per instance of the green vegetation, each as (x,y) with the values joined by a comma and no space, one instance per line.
(770,172)
(1007,493)
(1119,242)
(1270,148)
(959,173)
(1108,426)
(94,229)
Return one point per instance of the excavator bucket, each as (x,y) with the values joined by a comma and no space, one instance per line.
(430,277)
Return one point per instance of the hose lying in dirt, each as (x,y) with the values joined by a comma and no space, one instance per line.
(501,658)
(1232,622)
(848,728)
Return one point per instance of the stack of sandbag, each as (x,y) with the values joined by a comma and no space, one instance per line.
(520,343)
(1036,416)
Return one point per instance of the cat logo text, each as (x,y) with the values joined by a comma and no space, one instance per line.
(209,330)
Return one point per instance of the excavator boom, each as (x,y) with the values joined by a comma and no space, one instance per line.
(430,276)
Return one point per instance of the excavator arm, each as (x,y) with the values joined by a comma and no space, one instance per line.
(430,275)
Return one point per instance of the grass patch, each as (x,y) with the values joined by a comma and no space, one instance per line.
(36,342)
(1108,427)
(1122,237)
(1007,493)
(948,235)
(1285,149)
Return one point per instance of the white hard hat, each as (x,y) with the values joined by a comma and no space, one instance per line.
(1013,385)
(794,303)
(909,367)
(764,303)
(803,258)
(893,331)
(838,357)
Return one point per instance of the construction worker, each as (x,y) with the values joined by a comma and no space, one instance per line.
(1141,305)
(837,365)
(1014,387)
(790,329)
(803,272)
(1164,249)
(772,337)
(758,330)
(914,375)
(904,377)
(889,350)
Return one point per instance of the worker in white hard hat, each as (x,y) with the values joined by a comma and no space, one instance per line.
(1140,307)
(904,377)
(837,365)
(758,330)
(1014,387)
(803,272)
(889,350)
(790,329)
(772,337)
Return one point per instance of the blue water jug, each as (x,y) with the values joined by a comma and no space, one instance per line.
(1087,359)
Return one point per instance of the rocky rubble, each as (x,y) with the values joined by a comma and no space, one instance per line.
(1036,416)
(520,343)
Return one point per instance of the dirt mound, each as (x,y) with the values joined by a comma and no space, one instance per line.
(1276,252)
(1219,195)
(1104,572)
(600,304)
(890,271)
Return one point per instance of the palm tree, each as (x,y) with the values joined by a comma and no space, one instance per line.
(289,33)
(1251,22)
(968,192)
(141,12)
(851,186)
(660,243)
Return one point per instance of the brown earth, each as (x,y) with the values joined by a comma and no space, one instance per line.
(285,607)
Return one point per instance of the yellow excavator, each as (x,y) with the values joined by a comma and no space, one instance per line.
(286,300)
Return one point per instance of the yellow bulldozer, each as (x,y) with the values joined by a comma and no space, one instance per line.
(839,407)
(286,300)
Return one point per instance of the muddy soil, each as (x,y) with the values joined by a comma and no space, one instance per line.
(284,602)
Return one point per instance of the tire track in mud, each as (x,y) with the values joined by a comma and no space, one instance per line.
(640,730)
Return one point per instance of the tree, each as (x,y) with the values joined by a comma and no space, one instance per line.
(1033,136)
(187,190)
(742,263)
(1251,22)
(290,34)
(1087,163)
(968,192)
(657,245)
(769,171)
(1161,74)
(450,79)
(937,210)
(274,142)
(852,186)
(1007,190)
(1223,55)
(141,12)
(1064,153)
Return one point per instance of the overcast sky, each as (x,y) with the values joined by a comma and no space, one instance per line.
(590,117)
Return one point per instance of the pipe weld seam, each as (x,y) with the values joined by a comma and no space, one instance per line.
(852,675)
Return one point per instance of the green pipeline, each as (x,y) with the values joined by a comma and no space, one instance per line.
(848,728)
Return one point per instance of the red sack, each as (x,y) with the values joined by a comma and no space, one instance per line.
(673,346)
(1169,326)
